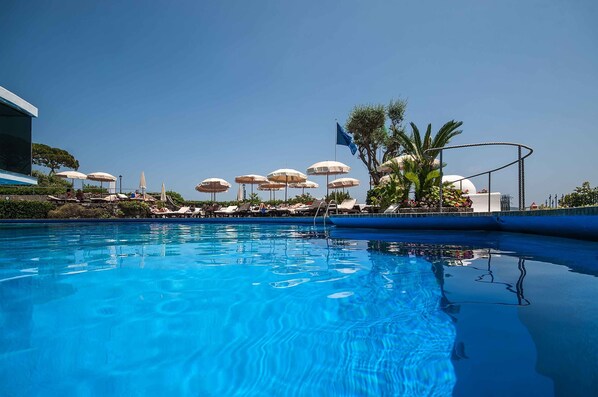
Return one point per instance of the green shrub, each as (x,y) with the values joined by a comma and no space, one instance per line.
(176,197)
(32,190)
(450,198)
(134,209)
(76,211)
(25,209)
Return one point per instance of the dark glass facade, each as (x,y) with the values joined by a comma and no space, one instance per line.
(15,141)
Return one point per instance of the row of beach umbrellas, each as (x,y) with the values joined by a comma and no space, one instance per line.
(285,178)
(105,177)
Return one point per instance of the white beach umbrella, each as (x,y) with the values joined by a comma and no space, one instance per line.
(271,187)
(72,175)
(286,176)
(163,193)
(304,185)
(240,193)
(343,183)
(328,168)
(101,177)
(142,183)
(251,179)
(213,185)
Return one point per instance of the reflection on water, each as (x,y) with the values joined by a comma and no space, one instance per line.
(203,309)
(522,305)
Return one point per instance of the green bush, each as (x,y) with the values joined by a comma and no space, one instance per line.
(134,209)
(76,211)
(450,198)
(25,209)
(176,197)
(32,190)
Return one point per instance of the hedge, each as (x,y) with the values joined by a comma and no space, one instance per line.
(134,209)
(25,209)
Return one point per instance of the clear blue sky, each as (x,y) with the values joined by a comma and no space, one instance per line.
(186,90)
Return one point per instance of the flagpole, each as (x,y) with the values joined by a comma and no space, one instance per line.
(336,122)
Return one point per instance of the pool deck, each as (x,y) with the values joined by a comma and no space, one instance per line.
(578,223)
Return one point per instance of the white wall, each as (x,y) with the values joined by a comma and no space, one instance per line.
(480,202)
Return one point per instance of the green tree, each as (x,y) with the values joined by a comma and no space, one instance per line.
(375,143)
(416,146)
(53,158)
(583,195)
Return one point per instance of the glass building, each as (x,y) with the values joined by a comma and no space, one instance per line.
(15,139)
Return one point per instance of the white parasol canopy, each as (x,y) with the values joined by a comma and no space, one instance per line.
(101,177)
(304,185)
(213,185)
(286,176)
(272,187)
(163,193)
(251,179)
(72,175)
(328,168)
(142,183)
(343,182)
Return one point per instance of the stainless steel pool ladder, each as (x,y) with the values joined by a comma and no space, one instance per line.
(326,212)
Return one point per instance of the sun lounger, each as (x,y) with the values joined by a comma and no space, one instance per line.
(228,211)
(392,209)
(180,213)
(318,206)
(108,199)
(346,207)
(56,199)
(244,210)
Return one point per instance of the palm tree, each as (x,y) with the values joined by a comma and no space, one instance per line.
(420,169)
(416,146)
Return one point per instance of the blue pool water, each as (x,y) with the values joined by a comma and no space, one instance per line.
(150,309)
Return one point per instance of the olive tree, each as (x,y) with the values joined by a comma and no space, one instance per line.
(375,144)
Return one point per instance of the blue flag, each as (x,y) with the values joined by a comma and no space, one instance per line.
(342,138)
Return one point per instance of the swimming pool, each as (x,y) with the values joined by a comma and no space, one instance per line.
(281,310)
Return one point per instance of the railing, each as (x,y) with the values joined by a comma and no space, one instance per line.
(519,161)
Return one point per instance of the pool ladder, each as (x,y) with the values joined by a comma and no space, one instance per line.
(326,212)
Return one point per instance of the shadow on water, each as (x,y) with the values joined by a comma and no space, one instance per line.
(523,306)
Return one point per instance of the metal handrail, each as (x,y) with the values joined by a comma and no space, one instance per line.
(520,161)
(318,211)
